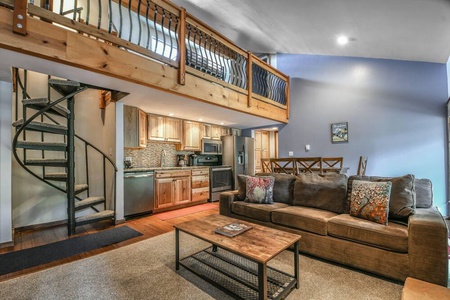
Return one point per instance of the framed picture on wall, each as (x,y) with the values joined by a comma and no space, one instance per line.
(339,132)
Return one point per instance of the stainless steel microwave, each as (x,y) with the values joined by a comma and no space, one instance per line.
(211,147)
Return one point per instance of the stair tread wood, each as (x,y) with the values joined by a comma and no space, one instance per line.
(56,174)
(42,145)
(96,216)
(46,160)
(41,126)
(43,102)
(63,82)
(90,201)
(81,187)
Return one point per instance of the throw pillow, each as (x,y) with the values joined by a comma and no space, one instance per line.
(370,200)
(327,191)
(242,186)
(283,188)
(259,189)
(402,202)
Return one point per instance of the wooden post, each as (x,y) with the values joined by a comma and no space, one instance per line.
(20,17)
(182,48)
(249,78)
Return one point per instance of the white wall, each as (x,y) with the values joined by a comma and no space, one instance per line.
(5,163)
(448,76)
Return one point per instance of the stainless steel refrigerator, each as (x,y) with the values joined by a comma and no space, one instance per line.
(239,153)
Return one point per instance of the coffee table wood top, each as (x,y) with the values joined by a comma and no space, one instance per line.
(259,244)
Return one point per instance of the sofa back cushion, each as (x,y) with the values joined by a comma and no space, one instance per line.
(283,188)
(328,191)
(402,202)
(424,193)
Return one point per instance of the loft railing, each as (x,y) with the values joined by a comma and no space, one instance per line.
(164,32)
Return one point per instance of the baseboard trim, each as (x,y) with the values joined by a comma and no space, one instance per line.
(6,244)
(41,226)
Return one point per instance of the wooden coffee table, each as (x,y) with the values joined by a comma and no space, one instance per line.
(238,265)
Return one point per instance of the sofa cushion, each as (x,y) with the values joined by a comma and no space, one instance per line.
(259,189)
(242,187)
(370,200)
(424,193)
(328,191)
(402,203)
(303,218)
(393,237)
(283,187)
(261,212)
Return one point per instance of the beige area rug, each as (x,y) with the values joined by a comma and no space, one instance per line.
(146,270)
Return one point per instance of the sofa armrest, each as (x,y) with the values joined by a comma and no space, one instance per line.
(225,201)
(428,246)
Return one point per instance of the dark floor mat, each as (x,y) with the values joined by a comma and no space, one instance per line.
(27,258)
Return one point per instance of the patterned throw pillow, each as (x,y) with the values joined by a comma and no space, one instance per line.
(370,200)
(259,189)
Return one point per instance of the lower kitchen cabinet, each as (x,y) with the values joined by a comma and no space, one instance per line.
(172,188)
(200,184)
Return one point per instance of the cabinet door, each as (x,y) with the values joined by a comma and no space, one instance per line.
(130,127)
(225,131)
(142,129)
(216,132)
(155,129)
(191,139)
(164,193)
(207,131)
(182,190)
(172,130)
(265,144)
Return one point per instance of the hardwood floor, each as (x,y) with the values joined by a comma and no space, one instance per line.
(149,226)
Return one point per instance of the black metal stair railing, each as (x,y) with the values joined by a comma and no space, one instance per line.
(267,84)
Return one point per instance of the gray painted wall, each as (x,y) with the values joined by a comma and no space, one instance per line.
(395,110)
(448,76)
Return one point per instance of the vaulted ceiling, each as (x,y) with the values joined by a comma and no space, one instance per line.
(415,30)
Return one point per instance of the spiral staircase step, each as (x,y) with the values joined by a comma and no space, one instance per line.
(40,103)
(42,127)
(50,162)
(96,217)
(88,202)
(42,146)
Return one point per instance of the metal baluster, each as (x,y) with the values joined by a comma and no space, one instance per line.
(170,36)
(189,45)
(86,157)
(61,8)
(88,11)
(120,18)
(230,68)
(74,17)
(148,24)
(110,21)
(238,70)
(154,26)
(131,21)
(195,60)
(99,22)
(139,22)
(175,34)
(222,60)
(214,55)
(162,31)
(209,67)
(200,64)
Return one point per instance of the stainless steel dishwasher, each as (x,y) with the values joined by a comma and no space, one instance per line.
(139,193)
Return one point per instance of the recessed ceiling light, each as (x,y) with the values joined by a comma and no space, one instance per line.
(221,123)
(200,119)
(274,128)
(342,40)
(170,114)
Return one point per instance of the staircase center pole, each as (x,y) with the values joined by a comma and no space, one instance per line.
(71,166)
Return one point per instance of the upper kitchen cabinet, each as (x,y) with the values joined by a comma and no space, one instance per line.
(207,131)
(134,127)
(192,136)
(164,129)
(216,132)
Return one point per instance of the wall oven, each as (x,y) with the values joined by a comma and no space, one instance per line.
(221,179)
(211,147)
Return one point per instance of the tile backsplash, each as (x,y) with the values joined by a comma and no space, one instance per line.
(151,155)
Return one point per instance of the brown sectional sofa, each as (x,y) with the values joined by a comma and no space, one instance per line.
(416,247)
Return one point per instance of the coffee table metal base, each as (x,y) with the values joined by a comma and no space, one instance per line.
(238,276)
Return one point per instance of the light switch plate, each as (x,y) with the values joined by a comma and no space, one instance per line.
(291,153)
(307,147)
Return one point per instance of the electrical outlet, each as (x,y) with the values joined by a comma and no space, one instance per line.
(307,148)
(291,153)
(128,158)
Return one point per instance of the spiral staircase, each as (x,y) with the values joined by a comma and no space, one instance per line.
(51,159)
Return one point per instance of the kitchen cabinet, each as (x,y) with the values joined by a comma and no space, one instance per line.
(164,129)
(191,136)
(207,131)
(262,147)
(134,127)
(172,188)
(216,132)
(200,184)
